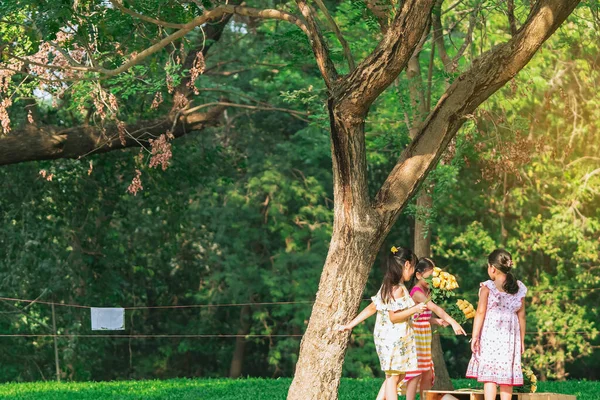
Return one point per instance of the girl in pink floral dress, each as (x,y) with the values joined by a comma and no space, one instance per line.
(499,329)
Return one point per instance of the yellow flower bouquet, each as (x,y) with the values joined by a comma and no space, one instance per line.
(461,311)
(529,382)
(441,284)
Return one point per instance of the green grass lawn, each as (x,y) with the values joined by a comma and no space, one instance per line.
(226,389)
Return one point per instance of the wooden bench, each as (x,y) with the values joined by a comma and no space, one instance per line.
(478,395)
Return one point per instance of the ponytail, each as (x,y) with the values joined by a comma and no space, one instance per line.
(396,261)
(510,284)
(502,261)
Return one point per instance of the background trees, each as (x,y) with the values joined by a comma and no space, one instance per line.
(245,211)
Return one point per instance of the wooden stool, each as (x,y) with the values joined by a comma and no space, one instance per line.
(478,395)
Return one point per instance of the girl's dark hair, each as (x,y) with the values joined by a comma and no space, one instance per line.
(395,267)
(424,264)
(502,261)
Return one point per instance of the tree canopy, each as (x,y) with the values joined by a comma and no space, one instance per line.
(227,106)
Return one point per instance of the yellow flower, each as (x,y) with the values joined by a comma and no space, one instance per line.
(533,388)
(394,249)
(436,282)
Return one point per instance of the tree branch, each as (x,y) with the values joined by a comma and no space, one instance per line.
(510,4)
(468,36)
(488,74)
(318,45)
(142,17)
(216,13)
(31,144)
(381,10)
(450,64)
(378,70)
(338,33)
(293,113)
(438,35)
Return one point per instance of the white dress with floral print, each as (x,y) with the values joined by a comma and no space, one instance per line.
(499,359)
(395,343)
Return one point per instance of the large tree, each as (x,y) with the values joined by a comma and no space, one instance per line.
(77,55)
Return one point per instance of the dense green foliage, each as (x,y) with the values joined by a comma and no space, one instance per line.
(222,389)
(243,212)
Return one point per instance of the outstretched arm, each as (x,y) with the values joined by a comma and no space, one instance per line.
(439,311)
(403,315)
(484,292)
(420,297)
(364,314)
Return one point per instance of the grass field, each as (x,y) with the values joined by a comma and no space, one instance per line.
(225,389)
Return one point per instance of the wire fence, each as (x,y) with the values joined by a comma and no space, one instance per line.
(247,336)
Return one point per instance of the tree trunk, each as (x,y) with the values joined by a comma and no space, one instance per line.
(356,240)
(422,233)
(422,247)
(442,378)
(322,349)
(235,369)
(422,244)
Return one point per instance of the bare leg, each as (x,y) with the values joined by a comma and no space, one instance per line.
(381,394)
(411,388)
(505,392)
(425,382)
(489,391)
(391,387)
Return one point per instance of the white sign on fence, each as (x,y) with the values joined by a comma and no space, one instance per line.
(108,319)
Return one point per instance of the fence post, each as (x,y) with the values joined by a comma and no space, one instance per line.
(55,344)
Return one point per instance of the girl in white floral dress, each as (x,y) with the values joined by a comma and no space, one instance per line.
(499,329)
(393,334)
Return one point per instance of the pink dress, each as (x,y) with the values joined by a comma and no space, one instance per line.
(499,360)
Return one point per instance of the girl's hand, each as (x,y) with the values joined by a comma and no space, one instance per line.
(344,328)
(458,330)
(441,322)
(419,308)
(475,346)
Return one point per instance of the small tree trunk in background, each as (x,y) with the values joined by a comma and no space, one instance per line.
(237,362)
(422,244)
(442,378)
(422,247)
